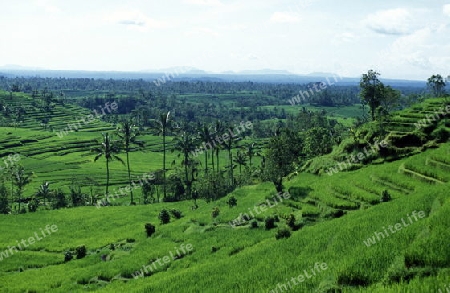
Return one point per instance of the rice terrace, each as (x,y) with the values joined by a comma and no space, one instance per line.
(296,146)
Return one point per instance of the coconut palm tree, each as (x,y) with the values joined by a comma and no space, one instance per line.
(241,159)
(185,143)
(108,149)
(251,150)
(219,130)
(44,191)
(205,137)
(162,126)
(228,145)
(128,135)
(20,180)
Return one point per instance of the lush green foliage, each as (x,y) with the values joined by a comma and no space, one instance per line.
(326,219)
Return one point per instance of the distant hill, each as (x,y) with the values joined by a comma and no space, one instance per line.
(193,74)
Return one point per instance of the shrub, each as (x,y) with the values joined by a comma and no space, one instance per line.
(33,205)
(385,196)
(338,213)
(283,233)
(150,229)
(353,279)
(176,213)
(164,217)
(68,256)
(80,251)
(77,198)
(60,200)
(269,223)
(290,221)
(215,212)
(232,202)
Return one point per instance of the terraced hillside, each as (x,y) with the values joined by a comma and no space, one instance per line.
(245,259)
(35,113)
(67,159)
(340,223)
(412,128)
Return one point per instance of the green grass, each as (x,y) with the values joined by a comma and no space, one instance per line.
(238,262)
(227,259)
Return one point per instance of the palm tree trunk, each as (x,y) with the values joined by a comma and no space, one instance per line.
(230,155)
(19,196)
(212,159)
(186,173)
(129,175)
(164,161)
(206,162)
(107,179)
(12,192)
(217,157)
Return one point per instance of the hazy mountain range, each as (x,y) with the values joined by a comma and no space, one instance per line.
(191,74)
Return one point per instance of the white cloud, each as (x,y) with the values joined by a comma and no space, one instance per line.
(48,7)
(390,22)
(284,17)
(204,2)
(422,51)
(134,19)
(446,9)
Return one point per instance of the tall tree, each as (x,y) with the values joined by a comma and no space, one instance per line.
(108,149)
(21,179)
(251,150)
(241,159)
(185,143)
(204,134)
(44,191)
(128,135)
(282,152)
(437,85)
(228,145)
(219,130)
(391,98)
(370,90)
(162,126)
(318,141)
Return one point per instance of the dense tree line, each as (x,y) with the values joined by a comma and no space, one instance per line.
(212,109)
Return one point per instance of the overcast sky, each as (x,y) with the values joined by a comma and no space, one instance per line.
(408,39)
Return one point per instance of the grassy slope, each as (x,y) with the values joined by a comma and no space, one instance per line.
(67,160)
(248,260)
